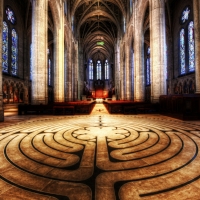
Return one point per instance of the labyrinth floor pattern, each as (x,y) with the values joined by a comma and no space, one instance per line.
(100,157)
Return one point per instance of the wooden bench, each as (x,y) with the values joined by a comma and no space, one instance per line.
(34,109)
(63,109)
(182,106)
(130,109)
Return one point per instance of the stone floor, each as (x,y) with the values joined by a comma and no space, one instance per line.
(99,157)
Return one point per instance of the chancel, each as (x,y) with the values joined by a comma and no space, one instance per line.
(100,99)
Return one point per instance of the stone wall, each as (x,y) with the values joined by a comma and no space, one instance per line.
(173,83)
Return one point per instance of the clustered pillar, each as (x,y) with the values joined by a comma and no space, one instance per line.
(39,51)
(122,75)
(196,7)
(69,72)
(117,70)
(127,75)
(139,94)
(59,95)
(75,93)
(158,49)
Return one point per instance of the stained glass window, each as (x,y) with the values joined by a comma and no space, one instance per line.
(98,70)
(73,23)
(148,71)
(31,67)
(131,6)
(166,50)
(182,51)
(5,48)
(148,51)
(14,53)
(10,15)
(106,70)
(148,67)
(124,22)
(91,70)
(65,8)
(185,15)
(49,71)
(191,46)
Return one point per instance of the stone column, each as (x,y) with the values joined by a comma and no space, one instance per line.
(127,78)
(1,77)
(117,69)
(158,49)
(122,74)
(139,90)
(72,72)
(69,70)
(39,51)
(132,73)
(73,60)
(196,8)
(59,57)
(65,70)
(76,83)
(81,71)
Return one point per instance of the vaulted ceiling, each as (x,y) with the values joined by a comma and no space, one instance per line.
(98,24)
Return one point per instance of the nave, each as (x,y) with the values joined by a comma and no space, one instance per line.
(99,156)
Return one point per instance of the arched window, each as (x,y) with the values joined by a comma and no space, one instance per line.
(91,70)
(9,44)
(148,68)
(98,69)
(106,70)
(5,48)
(65,8)
(186,40)
(31,66)
(191,46)
(124,24)
(131,7)
(182,51)
(14,53)
(49,66)
(49,71)
(72,23)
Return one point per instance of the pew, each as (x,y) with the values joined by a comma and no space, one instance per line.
(185,106)
(62,108)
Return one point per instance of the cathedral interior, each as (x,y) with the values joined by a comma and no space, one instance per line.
(100,99)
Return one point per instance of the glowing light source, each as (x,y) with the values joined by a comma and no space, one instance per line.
(101,43)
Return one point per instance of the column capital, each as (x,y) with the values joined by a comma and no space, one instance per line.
(155,4)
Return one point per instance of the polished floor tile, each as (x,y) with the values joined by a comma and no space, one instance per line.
(100,157)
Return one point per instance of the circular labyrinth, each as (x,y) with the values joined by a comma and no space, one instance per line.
(100,157)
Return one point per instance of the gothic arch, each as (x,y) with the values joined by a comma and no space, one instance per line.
(142,7)
(53,5)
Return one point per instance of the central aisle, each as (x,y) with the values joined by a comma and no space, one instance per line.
(99,109)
